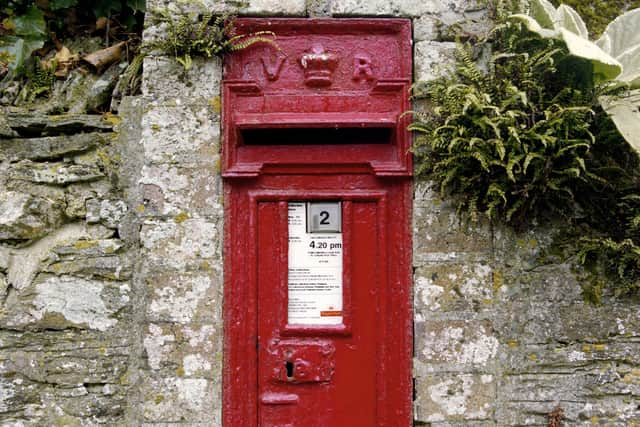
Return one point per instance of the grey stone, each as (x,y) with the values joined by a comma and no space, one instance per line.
(51,147)
(78,194)
(384,7)
(107,212)
(253,7)
(99,92)
(433,59)
(25,217)
(36,124)
(55,172)
(9,93)
(198,85)
(5,130)
(63,302)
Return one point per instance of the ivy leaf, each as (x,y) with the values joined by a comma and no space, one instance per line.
(61,4)
(31,24)
(137,5)
(106,7)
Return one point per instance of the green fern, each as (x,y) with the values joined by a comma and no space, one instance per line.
(527,141)
(204,36)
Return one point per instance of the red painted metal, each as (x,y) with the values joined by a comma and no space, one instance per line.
(330,77)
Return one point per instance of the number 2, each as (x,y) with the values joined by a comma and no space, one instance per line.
(324,215)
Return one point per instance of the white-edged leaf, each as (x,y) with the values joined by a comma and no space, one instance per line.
(621,34)
(544,13)
(624,110)
(605,67)
(533,26)
(568,18)
(630,61)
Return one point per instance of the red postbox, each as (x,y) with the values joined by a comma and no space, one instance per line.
(317,168)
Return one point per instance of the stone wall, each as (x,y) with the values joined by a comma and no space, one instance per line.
(111,266)
(66,268)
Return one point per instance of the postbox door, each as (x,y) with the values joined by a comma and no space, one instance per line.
(326,374)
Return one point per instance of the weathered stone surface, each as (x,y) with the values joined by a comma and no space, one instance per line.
(78,195)
(182,135)
(92,259)
(182,401)
(441,235)
(23,263)
(254,7)
(51,147)
(462,344)
(5,129)
(454,287)
(53,302)
(384,7)
(455,397)
(181,246)
(35,124)
(25,217)
(200,85)
(62,378)
(55,172)
(433,59)
(99,92)
(186,351)
(180,192)
(107,212)
(184,298)
(451,18)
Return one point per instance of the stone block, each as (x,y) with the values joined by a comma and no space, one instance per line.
(50,147)
(105,259)
(27,217)
(437,229)
(108,212)
(455,344)
(241,7)
(31,124)
(185,297)
(56,173)
(186,351)
(165,81)
(396,8)
(455,397)
(53,302)
(182,401)
(180,192)
(453,18)
(454,287)
(188,245)
(433,59)
(181,134)
(527,399)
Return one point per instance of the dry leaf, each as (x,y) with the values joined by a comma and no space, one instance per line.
(101,23)
(105,57)
(65,61)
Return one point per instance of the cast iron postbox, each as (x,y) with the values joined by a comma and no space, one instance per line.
(317,172)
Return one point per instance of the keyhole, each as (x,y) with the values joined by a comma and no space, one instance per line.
(289,366)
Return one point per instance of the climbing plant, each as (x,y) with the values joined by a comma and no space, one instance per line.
(524,139)
(206,36)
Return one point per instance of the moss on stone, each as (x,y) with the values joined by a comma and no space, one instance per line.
(181,217)
(85,244)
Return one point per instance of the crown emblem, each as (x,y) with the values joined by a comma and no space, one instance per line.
(318,66)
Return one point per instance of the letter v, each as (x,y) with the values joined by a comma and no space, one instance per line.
(272,70)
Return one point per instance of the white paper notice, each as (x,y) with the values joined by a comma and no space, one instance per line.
(315,272)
